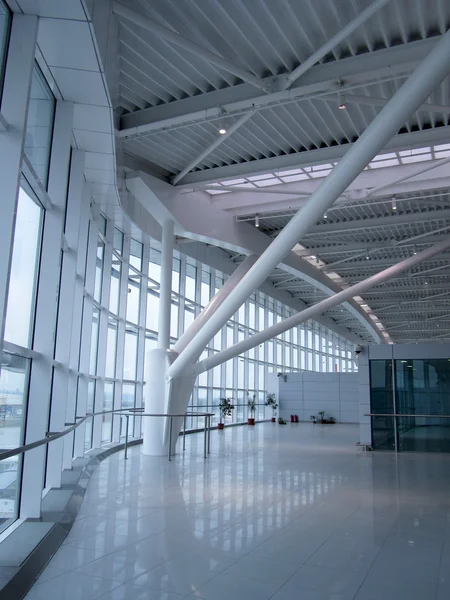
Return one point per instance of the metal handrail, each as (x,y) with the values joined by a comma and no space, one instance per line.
(51,437)
(401,415)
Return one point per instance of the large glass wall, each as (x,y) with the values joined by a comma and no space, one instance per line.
(420,388)
(81,311)
(306,347)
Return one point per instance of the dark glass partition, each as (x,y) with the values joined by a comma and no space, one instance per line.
(382,401)
(422,390)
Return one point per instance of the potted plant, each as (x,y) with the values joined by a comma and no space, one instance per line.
(313,419)
(322,416)
(225,408)
(270,401)
(252,408)
(281,421)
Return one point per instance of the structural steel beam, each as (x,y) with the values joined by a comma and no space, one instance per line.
(342,35)
(426,137)
(215,144)
(395,219)
(372,101)
(368,264)
(174,38)
(317,309)
(414,92)
(388,62)
(427,167)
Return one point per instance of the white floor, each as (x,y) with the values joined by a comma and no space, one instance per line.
(292,512)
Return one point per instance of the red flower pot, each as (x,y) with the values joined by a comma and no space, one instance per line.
(251,421)
(274,420)
(291,419)
(220,426)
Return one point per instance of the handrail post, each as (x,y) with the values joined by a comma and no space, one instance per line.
(205,437)
(184,433)
(209,434)
(126,436)
(170,438)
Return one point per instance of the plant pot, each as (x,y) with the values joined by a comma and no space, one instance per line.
(274,420)
(220,426)
(251,421)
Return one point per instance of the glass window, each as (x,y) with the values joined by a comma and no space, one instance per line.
(130,354)
(41,111)
(99,269)
(134,293)
(115,285)
(94,341)
(5,24)
(152,311)
(176,275)
(118,241)
(108,403)
(174,320)
(13,399)
(190,282)
(24,269)
(89,409)
(136,254)
(128,401)
(111,344)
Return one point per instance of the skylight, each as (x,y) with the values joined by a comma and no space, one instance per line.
(381,161)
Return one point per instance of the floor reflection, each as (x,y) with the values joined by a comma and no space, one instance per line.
(275,512)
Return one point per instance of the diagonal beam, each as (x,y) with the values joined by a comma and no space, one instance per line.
(317,309)
(215,144)
(415,90)
(174,38)
(342,35)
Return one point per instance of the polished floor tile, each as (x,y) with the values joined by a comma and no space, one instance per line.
(279,513)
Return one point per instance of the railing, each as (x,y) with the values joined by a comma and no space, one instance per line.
(396,415)
(124,413)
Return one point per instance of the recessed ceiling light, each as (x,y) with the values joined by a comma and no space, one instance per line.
(222,131)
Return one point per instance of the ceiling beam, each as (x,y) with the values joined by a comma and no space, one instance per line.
(405,289)
(397,219)
(372,101)
(155,28)
(430,166)
(389,62)
(376,262)
(359,246)
(306,158)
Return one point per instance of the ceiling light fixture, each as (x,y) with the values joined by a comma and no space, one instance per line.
(394,203)
(367,255)
(222,130)
(325,216)
(257,221)
(342,105)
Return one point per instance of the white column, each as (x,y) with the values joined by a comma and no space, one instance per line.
(165,289)
(156,389)
(15,100)
(409,97)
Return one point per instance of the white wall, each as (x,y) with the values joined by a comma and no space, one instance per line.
(308,392)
